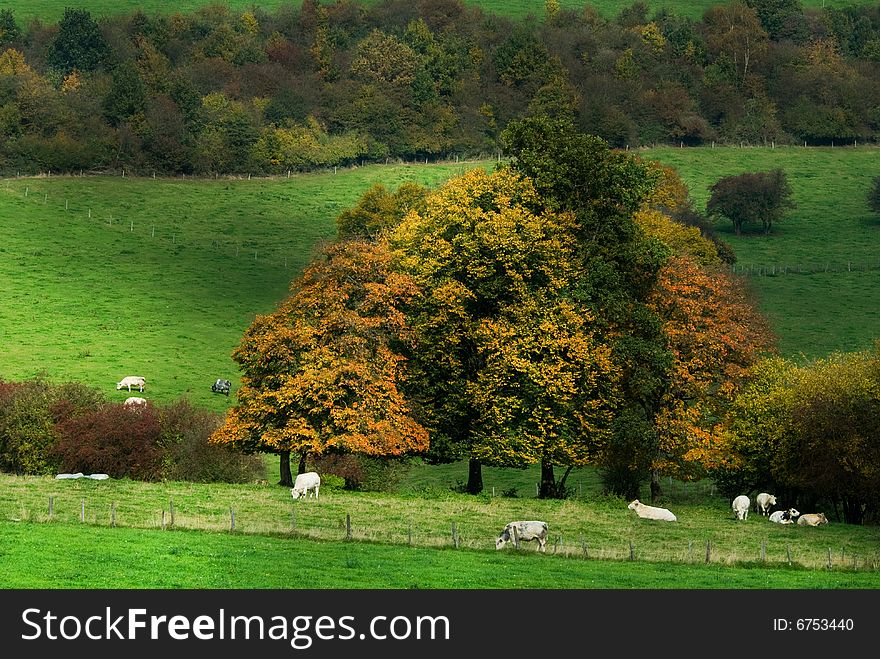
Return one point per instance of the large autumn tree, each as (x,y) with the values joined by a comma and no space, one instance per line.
(617,265)
(507,369)
(713,330)
(323,372)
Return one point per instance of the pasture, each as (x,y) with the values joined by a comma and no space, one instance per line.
(409,536)
(105,277)
(817,277)
(52,10)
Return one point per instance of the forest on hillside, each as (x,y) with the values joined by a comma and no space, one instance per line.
(221,91)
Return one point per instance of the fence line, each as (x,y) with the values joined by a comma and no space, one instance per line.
(347,530)
(781,270)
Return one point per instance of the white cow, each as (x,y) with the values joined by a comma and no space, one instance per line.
(130,381)
(763,502)
(812,519)
(305,483)
(651,512)
(784,516)
(741,507)
(135,400)
(516,531)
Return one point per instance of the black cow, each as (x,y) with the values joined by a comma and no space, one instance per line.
(221,387)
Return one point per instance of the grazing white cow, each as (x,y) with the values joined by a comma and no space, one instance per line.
(741,507)
(135,400)
(304,484)
(812,519)
(130,381)
(651,512)
(516,531)
(784,516)
(763,502)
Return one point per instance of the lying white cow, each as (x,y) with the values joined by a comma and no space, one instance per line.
(516,531)
(135,400)
(130,381)
(763,502)
(784,516)
(812,519)
(651,512)
(741,507)
(304,484)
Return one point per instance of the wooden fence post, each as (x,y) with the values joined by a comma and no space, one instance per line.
(632,551)
(231,520)
(171,510)
(347,526)
(51,507)
(82,510)
(454,535)
(163,519)
(293,521)
(409,533)
(830,562)
(788,553)
(708,551)
(113,514)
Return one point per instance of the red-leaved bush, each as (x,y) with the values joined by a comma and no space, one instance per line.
(114,439)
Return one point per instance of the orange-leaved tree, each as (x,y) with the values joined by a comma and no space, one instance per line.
(714,332)
(323,372)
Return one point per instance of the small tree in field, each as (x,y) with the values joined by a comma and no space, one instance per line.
(751,198)
(874,195)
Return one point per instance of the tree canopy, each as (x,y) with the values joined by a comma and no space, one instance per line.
(751,198)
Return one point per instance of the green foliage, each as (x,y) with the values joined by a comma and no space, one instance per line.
(29,412)
(751,198)
(812,431)
(80,45)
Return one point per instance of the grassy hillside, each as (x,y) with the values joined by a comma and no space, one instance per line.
(106,277)
(831,229)
(201,551)
(52,10)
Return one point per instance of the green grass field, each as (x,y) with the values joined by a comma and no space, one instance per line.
(813,314)
(275,537)
(52,10)
(109,276)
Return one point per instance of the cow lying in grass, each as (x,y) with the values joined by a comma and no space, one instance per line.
(812,519)
(784,516)
(516,531)
(651,512)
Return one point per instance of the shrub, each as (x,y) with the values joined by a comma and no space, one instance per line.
(189,456)
(751,198)
(115,439)
(364,473)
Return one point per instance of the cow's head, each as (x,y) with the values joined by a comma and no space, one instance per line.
(295,493)
(822,519)
(502,539)
(633,505)
(792,513)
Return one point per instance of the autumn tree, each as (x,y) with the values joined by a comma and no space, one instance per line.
(323,372)
(711,326)
(751,198)
(506,370)
(617,266)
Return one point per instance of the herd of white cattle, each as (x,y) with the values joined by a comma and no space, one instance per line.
(307,484)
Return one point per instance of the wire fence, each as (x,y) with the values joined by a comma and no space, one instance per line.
(297,524)
(828,267)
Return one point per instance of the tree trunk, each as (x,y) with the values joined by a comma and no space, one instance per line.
(656,490)
(475,476)
(547,489)
(286,477)
(302,463)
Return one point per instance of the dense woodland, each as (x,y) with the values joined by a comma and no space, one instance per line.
(333,84)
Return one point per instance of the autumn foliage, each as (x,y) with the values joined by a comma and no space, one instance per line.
(323,372)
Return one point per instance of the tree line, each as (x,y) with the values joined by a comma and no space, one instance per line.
(332,84)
